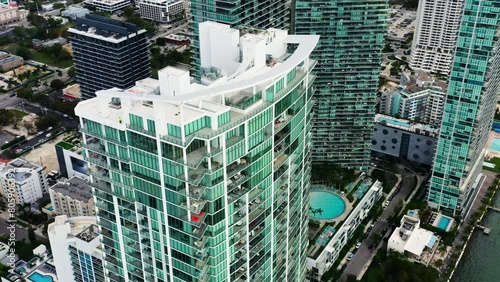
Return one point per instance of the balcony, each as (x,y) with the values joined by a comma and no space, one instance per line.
(237,167)
(141,130)
(100,149)
(196,220)
(194,206)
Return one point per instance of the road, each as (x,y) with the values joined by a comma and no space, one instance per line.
(21,233)
(361,259)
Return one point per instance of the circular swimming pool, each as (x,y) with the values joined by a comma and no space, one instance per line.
(325,205)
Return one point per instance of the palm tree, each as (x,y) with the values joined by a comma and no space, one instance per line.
(320,211)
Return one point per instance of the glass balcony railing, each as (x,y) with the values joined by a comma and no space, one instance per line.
(194,206)
(102,136)
(141,130)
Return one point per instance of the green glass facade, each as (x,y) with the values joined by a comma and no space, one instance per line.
(220,198)
(261,14)
(473,91)
(349,55)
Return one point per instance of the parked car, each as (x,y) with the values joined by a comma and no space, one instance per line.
(358,245)
(350,256)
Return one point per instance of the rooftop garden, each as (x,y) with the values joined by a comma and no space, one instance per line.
(65,145)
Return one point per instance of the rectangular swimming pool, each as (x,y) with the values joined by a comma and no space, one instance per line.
(394,121)
(495,145)
(443,223)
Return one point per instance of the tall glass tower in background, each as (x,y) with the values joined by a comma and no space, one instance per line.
(259,14)
(349,56)
(473,92)
(207,181)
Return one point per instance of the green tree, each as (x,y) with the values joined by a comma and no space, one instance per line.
(129,12)
(31,234)
(161,41)
(57,84)
(47,121)
(71,72)
(24,52)
(25,93)
(4,40)
(6,117)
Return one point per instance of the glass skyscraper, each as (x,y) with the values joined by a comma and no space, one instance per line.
(349,55)
(471,99)
(108,53)
(207,181)
(259,14)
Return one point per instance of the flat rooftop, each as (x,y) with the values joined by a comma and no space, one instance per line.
(229,83)
(75,188)
(104,28)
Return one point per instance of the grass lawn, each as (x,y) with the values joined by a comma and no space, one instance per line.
(19,114)
(388,179)
(65,145)
(496,162)
(47,59)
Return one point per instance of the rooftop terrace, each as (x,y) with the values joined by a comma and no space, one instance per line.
(75,188)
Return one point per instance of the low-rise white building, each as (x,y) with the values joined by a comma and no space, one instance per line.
(74,12)
(73,197)
(25,181)
(162,11)
(110,6)
(325,260)
(409,238)
(76,248)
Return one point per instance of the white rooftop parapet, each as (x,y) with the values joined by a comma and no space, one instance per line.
(173,81)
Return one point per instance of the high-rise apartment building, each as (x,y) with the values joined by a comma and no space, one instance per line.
(349,56)
(208,181)
(108,53)
(473,91)
(435,36)
(257,14)
(76,249)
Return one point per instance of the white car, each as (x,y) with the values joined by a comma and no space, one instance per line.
(350,256)
(358,245)
(387,203)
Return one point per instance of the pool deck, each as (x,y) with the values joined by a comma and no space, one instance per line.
(348,208)
(489,153)
(436,221)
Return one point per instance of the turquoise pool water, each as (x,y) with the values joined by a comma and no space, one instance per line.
(37,277)
(394,121)
(495,145)
(443,223)
(332,206)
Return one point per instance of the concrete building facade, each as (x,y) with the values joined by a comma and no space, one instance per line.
(25,181)
(402,138)
(76,249)
(162,11)
(421,99)
(317,266)
(436,31)
(72,197)
(110,6)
